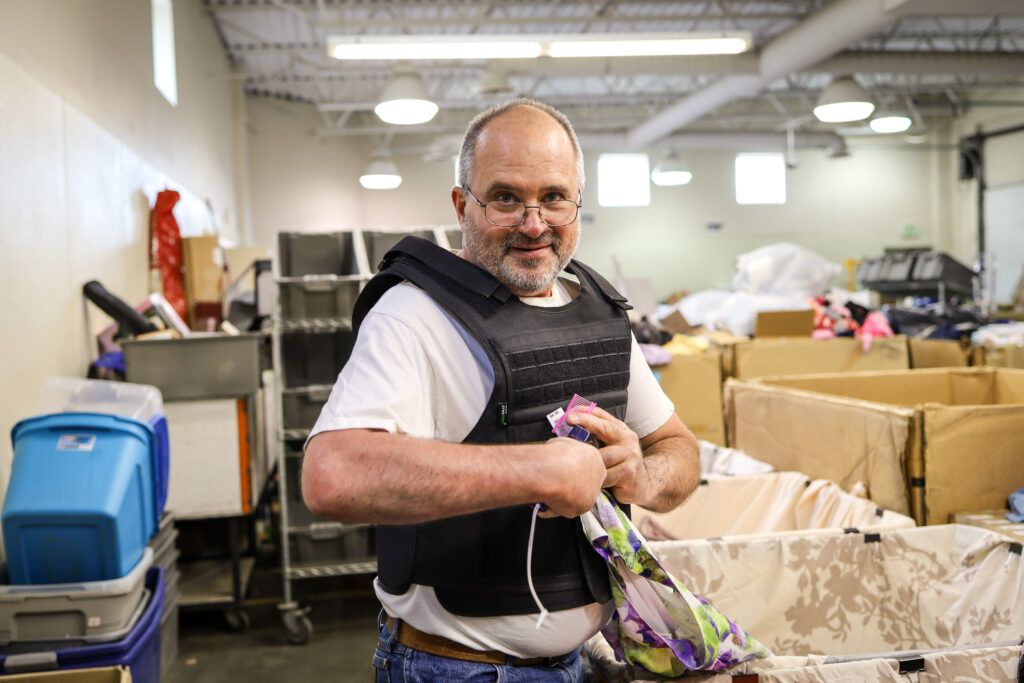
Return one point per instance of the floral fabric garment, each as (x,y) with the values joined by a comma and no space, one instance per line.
(658,624)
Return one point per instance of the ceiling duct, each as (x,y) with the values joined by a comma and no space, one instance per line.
(816,39)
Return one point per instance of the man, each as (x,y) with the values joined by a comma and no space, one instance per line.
(436,429)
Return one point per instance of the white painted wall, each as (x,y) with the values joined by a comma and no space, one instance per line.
(848,207)
(84,137)
(1004,166)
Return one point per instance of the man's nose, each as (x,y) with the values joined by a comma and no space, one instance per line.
(531,225)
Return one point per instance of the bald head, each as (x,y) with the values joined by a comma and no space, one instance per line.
(525,108)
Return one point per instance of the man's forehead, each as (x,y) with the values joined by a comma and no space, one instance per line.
(529,118)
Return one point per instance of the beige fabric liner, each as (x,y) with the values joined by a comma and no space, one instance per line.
(760,504)
(817,599)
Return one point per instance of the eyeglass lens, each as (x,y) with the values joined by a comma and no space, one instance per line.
(555,214)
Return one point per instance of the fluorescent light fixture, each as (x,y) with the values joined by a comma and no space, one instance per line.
(381,174)
(431,47)
(890,123)
(405,101)
(648,47)
(530,46)
(842,101)
(671,171)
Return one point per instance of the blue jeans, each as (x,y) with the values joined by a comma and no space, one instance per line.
(393,662)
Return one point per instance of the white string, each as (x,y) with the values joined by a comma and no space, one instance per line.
(529,567)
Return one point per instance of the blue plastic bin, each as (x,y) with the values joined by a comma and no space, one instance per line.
(139,650)
(83,497)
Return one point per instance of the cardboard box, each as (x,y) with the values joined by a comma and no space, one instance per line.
(803,355)
(676,323)
(694,384)
(999,356)
(784,323)
(937,353)
(928,442)
(994,520)
(106,674)
(203,262)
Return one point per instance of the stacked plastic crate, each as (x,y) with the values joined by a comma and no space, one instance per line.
(87,488)
(319,276)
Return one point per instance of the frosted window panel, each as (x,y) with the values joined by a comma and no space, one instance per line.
(760,179)
(623,180)
(165,73)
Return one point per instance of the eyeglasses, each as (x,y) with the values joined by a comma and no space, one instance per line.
(554,214)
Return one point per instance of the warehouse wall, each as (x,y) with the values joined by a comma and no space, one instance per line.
(85,142)
(1004,168)
(847,207)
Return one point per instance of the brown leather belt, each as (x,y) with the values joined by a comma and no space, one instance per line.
(442,647)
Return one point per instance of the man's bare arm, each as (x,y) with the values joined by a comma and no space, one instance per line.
(362,475)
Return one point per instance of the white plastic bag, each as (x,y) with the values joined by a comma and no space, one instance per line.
(785,269)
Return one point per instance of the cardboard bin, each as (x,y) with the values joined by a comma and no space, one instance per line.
(802,355)
(774,503)
(935,603)
(107,674)
(937,353)
(694,385)
(929,442)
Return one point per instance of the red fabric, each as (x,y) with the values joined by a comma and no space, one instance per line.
(165,250)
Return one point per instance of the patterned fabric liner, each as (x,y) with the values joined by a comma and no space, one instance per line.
(658,625)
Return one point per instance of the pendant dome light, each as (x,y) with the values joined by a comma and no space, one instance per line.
(671,171)
(405,101)
(381,173)
(890,123)
(843,101)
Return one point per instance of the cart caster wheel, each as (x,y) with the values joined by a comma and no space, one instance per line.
(237,620)
(299,627)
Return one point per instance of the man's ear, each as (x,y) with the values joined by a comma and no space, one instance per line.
(459,201)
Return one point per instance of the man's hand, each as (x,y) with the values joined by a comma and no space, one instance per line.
(626,473)
(578,475)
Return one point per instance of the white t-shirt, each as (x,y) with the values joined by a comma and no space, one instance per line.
(414,370)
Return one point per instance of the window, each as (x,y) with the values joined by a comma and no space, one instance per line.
(760,179)
(623,180)
(165,75)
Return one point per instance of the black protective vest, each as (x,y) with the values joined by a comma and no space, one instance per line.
(541,356)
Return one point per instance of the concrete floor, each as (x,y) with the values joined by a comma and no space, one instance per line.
(344,615)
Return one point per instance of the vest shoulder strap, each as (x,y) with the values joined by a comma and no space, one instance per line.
(598,281)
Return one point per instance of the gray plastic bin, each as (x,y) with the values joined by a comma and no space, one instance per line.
(325,253)
(378,243)
(88,612)
(314,357)
(330,542)
(199,366)
(301,407)
(318,297)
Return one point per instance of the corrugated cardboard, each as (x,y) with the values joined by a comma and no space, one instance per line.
(1000,356)
(937,353)
(203,277)
(106,674)
(694,384)
(203,269)
(994,520)
(803,355)
(676,323)
(784,323)
(933,442)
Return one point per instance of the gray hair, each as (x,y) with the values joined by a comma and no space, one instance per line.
(476,126)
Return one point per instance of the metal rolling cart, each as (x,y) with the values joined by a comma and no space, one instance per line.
(318,277)
(213,403)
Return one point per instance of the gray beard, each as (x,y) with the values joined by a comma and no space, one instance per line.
(519,282)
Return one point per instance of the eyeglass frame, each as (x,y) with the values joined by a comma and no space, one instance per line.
(483,205)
